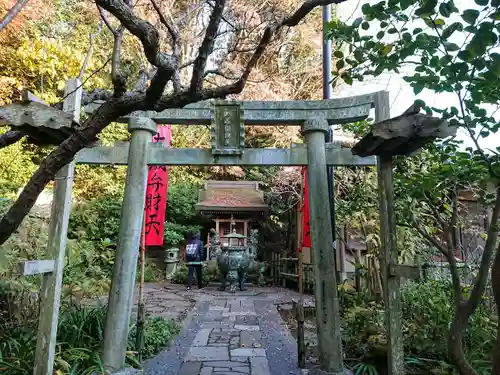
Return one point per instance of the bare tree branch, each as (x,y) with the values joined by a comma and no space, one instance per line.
(437,214)
(87,57)
(431,239)
(176,81)
(207,45)
(119,82)
(105,19)
(87,98)
(172,29)
(219,73)
(142,81)
(175,43)
(145,31)
(95,96)
(89,51)
(116,107)
(85,135)
(12,13)
(10,137)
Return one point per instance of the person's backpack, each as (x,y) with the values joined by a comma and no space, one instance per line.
(192,252)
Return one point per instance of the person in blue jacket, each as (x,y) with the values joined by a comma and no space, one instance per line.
(195,255)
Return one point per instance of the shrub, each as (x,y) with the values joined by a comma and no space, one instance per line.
(151,273)
(79,342)
(88,268)
(427,312)
(96,220)
(157,334)
(428,309)
(18,296)
(209,274)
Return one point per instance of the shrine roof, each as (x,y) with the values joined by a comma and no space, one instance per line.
(226,196)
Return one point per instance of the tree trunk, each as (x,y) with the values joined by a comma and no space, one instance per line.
(61,156)
(12,13)
(455,342)
(10,137)
(465,308)
(85,135)
(495,280)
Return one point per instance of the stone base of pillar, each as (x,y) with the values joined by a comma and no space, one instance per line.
(318,371)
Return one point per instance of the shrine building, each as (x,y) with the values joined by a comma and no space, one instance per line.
(233,206)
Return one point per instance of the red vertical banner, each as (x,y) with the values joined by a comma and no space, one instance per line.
(156,193)
(306,230)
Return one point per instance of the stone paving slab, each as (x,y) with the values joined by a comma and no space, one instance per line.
(207,353)
(238,313)
(259,365)
(242,327)
(230,334)
(248,352)
(202,336)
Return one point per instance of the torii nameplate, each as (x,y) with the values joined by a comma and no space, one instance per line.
(228,129)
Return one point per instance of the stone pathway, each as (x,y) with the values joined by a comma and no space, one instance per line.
(167,300)
(231,334)
(162,299)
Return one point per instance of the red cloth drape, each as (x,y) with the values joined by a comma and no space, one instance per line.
(156,193)
(306,231)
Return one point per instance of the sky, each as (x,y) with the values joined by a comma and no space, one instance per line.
(400,92)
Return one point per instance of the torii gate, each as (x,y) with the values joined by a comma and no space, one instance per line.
(227,120)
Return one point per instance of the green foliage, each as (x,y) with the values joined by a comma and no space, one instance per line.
(182,218)
(427,310)
(96,220)
(79,342)
(89,268)
(52,60)
(95,182)
(365,369)
(209,274)
(181,201)
(426,185)
(98,182)
(451,50)
(151,273)
(16,167)
(157,334)
(176,233)
(29,243)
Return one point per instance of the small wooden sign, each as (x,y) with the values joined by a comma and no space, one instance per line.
(36,267)
(228,130)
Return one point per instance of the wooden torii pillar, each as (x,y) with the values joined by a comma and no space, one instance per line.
(45,125)
(401,135)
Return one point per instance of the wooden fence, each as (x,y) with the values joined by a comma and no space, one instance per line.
(285,272)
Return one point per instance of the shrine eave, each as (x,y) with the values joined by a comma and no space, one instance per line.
(217,209)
